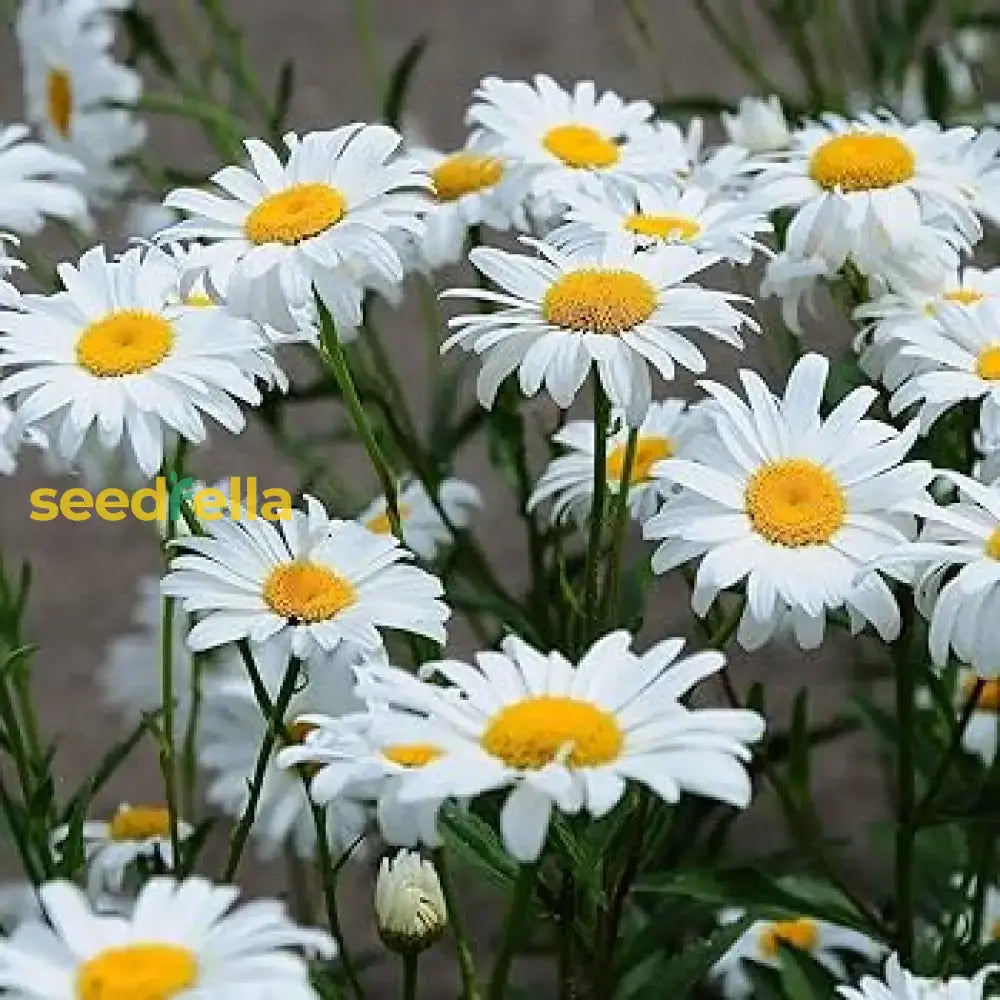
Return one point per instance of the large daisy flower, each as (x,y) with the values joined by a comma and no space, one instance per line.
(568,482)
(572,736)
(232,729)
(117,357)
(564,141)
(651,217)
(761,943)
(899,984)
(310,582)
(564,311)
(71,82)
(323,220)
(35,184)
(424,530)
(794,504)
(183,940)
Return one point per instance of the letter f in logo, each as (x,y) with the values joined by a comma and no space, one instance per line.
(180,493)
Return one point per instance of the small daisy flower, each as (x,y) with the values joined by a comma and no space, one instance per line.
(761,943)
(652,217)
(71,82)
(134,833)
(982,732)
(310,582)
(322,220)
(231,733)
(424,531)
(567,736)
(410,910)
(758,126)
(563,312)
(991,915)
(183,940)
(566,141)
(899,984)
(569,480)
(115,357)
(794,504)
(37,183)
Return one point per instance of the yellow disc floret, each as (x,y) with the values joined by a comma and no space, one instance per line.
(139,823)
(412,754)
(59,99)
(137,972)
(648,451)
(993,544)
(988,363)
(465,173)
(298,213)
(599,300)
(124,343)
(663,227)
(801,933)
(795,502)
(862,161)
(307,592)
(581,146)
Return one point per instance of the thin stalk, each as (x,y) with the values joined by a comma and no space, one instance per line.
(168,766)
(466,963)
(189,753)
(332,352)
(602,409)
(513,930)
(432,325)
(275,724)
(906,789)
(410,960)
(619,520)
(365,30)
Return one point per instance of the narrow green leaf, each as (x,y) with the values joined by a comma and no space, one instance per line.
(474,841)
(399,82)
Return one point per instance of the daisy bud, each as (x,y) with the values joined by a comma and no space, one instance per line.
(409,905)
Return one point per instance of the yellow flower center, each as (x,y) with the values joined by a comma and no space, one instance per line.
(306,592)
(964,296)
(862,161)
(137,972)
(795,502)
(598,300)
(298,213)
(989,696)
(993,544)
(59,98)
(988,364)
(124,343)
(199,300)
(298,731)
(648,451)
(801,933)
(139,823)
(581,146)
(663,227)
(465,173)
(530,734)
(380,522)
(412,754)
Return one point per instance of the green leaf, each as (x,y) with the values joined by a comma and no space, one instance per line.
(937,93)
(798,751)
(474,841)
(399,82)
(802,978)
(283,96)
(145,40)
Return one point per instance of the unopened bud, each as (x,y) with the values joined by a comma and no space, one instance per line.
(409,905)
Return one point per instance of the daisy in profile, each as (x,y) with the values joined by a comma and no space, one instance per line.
(112,848)
(568,482)
(309,583)
(367,758)
(232,729)
(425,532)
(571,736)
(652,217)
(759,126)
(117,359)
(899,984)
(76,93)
(566,141)
(794,504)
(183,939)
(563,311)
(761,944)
(982,732)
(9,295)
(325,219)
(470,187)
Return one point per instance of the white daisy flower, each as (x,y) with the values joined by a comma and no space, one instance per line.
(134,833)
(761,943)
(794,504)
(899,984)
(991,915)
(651,217)
(568,481)
(18,903)
(183,940)
(35,184)
(963,535)
(982,732)
(570,736)
(367,757)
(117,358)
(71,82)
(232,730)
(564,311)
(410,909)
(145,219)
(471,187)
(954,360)
(321,220)
(309,581)
(424,531)
(564,141)
(759,125)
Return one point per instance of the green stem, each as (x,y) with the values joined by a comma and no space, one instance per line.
(168,765)
(410,960)
(906,782)
(619,520)
(513,930)
(386,372)
(466,963)
(189,754)
(602,409)
(332,352)
(369,49)
(275,725)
